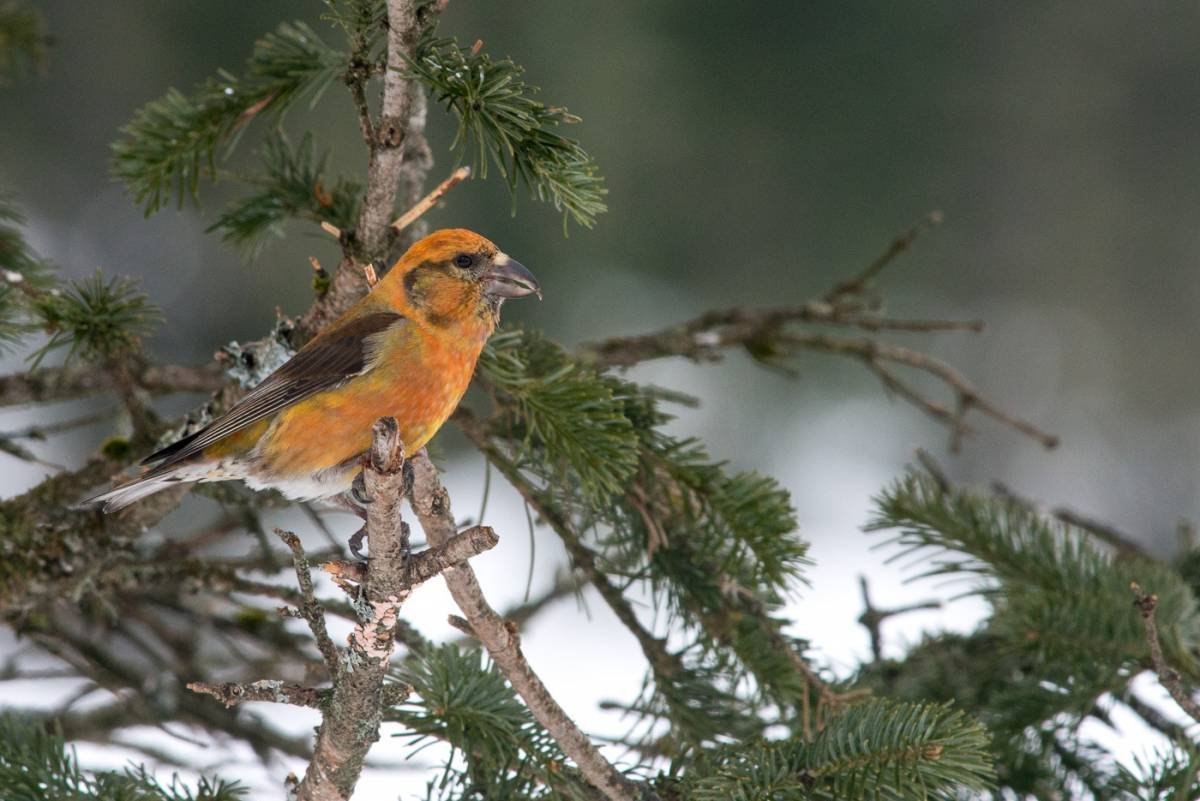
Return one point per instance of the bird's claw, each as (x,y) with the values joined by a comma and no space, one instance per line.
(358,490)
(355,543)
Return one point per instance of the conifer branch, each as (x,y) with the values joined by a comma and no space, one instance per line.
(653,648)
(352,721)
(431,504)
(353,708)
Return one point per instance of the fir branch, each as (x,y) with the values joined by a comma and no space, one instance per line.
(23,276)
(94,319)
(709,542)
(573,416)
(876,749)
(1167,774)
(499,120)
(294,185)
(1057,596)
(469,705)
(687,695)
(172,142)
(35,764)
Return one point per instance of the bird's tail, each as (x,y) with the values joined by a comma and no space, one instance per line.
(131,492)
(155,480)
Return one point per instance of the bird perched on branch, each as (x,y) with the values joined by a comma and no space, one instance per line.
(406,350)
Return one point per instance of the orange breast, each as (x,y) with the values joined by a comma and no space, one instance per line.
(419,378)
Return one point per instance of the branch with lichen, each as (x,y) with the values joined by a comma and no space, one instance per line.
(352,709)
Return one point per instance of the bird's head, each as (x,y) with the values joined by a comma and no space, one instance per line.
(454,276)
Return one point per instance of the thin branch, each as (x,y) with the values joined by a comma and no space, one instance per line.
(768,334)
(429,201)
(431,504)
(966,395)
(872,617)
(857,284)
(1167,675)
(653,648)
(79,380)
(232,693)
(310,609)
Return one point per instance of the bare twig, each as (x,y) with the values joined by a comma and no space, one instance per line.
(232,693)
(1167,675)
(856,285)
(431,504)
(429,201)
(1124,544)
(872,617)
(310,609)
(769,334)
(79,380)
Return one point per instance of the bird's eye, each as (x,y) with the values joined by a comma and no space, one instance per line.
(464,260)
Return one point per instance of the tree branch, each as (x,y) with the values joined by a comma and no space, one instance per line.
(310,609)
(761,332)
(387,153)
(664,663)
(1167,675)
(431,504)
(766,336)
(232,693)
(354,712)
(80,380)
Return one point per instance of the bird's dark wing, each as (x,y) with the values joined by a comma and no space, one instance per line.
(326,362)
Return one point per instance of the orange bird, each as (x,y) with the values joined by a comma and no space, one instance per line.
(406,350)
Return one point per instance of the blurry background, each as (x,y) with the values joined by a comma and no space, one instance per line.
(754,154)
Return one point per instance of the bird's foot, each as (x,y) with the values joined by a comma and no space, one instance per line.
(406,553)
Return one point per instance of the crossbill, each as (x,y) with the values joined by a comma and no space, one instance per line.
(406,350)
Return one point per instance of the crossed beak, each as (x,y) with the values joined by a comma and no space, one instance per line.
(508,278)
